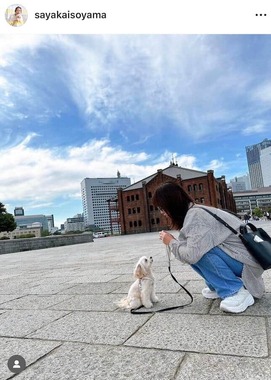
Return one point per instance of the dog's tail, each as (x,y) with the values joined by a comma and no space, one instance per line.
(123,303)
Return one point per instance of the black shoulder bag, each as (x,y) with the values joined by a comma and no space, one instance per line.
(257,242)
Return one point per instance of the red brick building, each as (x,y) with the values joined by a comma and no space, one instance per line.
(134,203)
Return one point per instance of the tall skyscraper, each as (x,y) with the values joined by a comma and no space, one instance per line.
(265,159)
(95,193)
(255,167)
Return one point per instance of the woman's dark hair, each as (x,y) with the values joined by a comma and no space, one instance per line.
(174,201)
(18,8)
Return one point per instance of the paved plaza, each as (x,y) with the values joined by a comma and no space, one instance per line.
(57,311)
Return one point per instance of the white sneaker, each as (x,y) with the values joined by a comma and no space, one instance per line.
(210,294)
(237,303)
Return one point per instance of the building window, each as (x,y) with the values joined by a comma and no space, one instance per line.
(195,187)
(201,186)
(139,223)
(152,221)
(131,224)
(201,200)
(189,188)
(129,211)
(157,220)
(134,210)
(132,198)
(135,223)
(128,198)
(151,207)
(149,194)
(137,197)
(138,210)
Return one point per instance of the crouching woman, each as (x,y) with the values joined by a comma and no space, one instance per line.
(213,251)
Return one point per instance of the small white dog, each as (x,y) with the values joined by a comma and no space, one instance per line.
(141,292)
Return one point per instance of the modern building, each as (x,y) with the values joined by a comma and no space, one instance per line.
(247,201)
(258,168)
(265,159)
(19,211)
(240,183)
(28,221)
(135,205)
(75,224)
(51,223)
(95,194)
(46,222)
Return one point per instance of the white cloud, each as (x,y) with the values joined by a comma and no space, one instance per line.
(43,174)
(101,151)
(151,76)
(38,176)
(48,180)
(216,164)
(263,92)
(27,91)
(12,44)
(189,79)
(255,129)
(137,89)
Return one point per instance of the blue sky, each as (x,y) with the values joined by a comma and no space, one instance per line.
(76,106)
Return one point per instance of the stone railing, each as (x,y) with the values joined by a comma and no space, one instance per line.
(29,244)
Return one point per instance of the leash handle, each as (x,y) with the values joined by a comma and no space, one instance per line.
(136,311)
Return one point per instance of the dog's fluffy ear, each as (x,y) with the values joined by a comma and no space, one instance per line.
(139,271)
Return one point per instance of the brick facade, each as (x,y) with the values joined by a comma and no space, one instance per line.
(137,213)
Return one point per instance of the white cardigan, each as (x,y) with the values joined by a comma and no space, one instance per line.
(201,232)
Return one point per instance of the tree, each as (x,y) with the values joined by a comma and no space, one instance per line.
(7,221)
(257,212)
(2,208)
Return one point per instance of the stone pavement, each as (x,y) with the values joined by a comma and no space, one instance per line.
(57,311)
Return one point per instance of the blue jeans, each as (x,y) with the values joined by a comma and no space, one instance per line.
(221,272)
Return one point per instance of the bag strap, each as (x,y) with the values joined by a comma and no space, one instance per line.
(135,311)
(243,229)
(223,221)
(252,227)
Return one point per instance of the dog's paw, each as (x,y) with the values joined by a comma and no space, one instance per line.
(148,305)
(155,299)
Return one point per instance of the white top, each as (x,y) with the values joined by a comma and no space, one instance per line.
(201,232)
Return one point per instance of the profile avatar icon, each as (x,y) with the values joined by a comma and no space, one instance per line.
(16,364)
(16,15)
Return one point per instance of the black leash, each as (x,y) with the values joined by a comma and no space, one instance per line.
(136,311)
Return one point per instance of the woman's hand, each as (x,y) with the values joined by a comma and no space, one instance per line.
(166,237)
